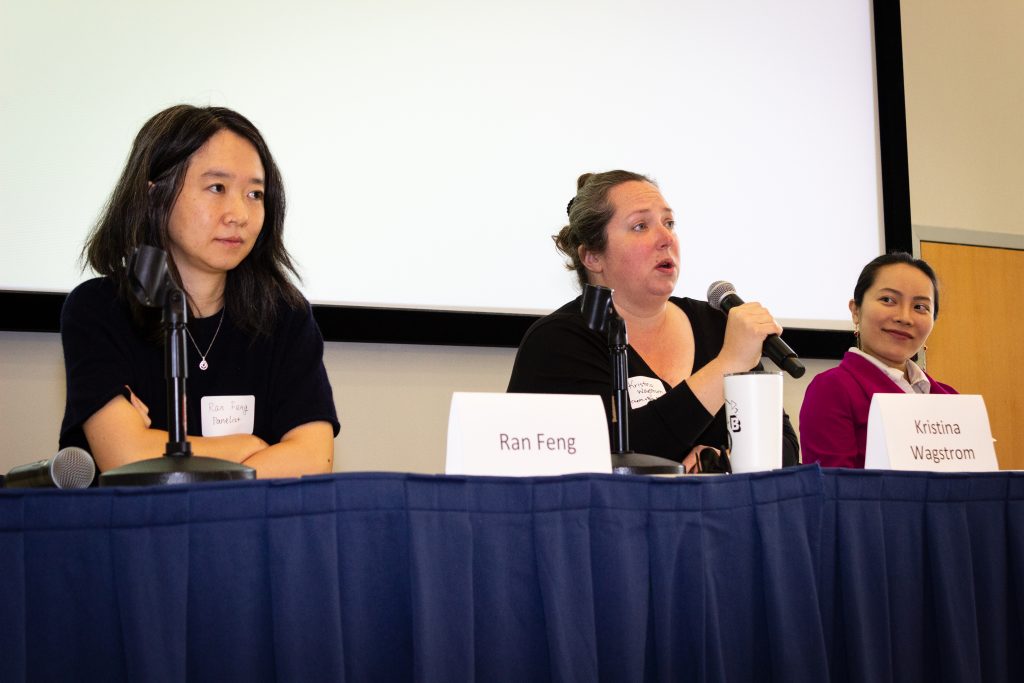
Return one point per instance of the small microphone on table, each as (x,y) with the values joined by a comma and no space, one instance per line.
(70,468)
(722,296)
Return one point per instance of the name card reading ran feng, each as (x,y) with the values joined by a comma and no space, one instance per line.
(938,433)
(526,435)
(541,442)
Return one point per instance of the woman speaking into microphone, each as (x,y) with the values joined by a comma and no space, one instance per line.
(621,235)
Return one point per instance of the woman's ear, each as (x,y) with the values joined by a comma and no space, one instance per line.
(855,312)
(592,261)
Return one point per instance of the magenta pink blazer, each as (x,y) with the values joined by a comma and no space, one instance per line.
(834,414)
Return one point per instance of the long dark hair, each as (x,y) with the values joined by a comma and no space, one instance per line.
(870,273)
(139,209)
(589,212)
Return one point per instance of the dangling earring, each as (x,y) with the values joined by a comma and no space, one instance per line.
(856,333)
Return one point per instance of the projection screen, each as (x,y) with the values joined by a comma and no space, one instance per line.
(429,149)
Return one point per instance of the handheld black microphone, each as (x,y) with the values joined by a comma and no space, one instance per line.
(71,468)
(722,296)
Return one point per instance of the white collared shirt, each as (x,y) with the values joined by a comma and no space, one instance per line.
(916,384)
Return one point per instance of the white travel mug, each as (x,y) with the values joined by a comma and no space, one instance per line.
(753,412)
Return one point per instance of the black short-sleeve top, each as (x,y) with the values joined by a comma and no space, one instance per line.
(105,352)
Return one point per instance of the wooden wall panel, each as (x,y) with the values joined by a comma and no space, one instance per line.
(975,346)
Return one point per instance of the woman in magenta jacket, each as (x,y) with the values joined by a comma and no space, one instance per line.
(894,306)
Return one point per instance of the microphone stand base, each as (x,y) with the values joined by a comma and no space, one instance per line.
(176,470)
(641,463)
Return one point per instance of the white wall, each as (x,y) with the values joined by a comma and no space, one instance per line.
(31,396)
(393,400)
(965,103)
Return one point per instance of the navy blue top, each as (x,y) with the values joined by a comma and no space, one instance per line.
(104,351)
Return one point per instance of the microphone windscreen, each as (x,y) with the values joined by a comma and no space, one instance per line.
(717,291)
(596,305)
(72,468)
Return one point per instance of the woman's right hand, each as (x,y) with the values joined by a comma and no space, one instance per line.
(141,407)
(746,328)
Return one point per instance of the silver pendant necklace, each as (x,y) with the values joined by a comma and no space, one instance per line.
(202,356)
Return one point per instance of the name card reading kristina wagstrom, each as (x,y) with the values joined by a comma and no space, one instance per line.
(523,435)
(934,433)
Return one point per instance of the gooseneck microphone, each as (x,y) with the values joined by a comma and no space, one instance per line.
(71,468)
(722,296)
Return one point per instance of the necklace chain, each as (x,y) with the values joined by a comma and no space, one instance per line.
(202,356)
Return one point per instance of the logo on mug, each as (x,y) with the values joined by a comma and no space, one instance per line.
(734,419)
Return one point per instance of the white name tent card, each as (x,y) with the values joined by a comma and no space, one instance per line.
(513,435)
(934,433)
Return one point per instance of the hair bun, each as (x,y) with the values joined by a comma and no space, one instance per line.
(582,180)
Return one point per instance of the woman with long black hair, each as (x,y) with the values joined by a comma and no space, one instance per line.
(201,184)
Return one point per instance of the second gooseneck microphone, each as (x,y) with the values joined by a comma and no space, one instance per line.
(722,296)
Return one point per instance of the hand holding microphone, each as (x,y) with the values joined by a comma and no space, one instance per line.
(748,325)
(746,329)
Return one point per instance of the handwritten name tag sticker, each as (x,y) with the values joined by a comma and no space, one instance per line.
(643,390)
(934,433)
(512,435)
(223,415)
